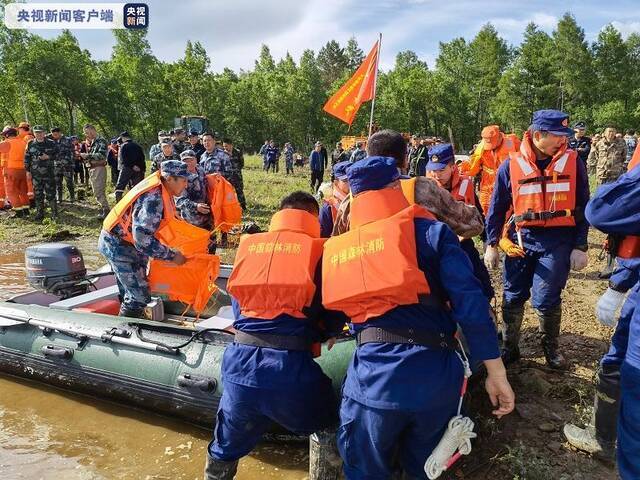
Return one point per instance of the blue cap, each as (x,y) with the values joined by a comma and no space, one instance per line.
(553,121)
(372,173)
(440,156)
(174,168)
(340,170)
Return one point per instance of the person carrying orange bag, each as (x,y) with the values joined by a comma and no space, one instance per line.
(143,225)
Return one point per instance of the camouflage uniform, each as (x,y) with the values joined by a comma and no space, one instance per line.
(179,147)
(196,192)
(218,161)
(235,178)
(96,162)
(42,174)
(607,160)
(129,262)
(288,158)
(158,159)
(64,167)
(155,150)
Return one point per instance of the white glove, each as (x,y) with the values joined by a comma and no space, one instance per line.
(491,257)
(607,306)
(579,260)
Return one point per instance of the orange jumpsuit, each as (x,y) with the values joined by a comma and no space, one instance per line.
(15,176)
(27,137)
(487,161)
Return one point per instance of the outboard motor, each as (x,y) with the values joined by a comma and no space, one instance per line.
(57,268)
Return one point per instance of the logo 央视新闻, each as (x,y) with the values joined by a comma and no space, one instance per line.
(135,15)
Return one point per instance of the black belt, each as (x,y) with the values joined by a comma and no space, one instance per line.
(279,342)
(532,216)
(408,336)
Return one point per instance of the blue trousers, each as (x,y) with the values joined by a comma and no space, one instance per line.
(620,339)
(373,442)
(129,268)
(246,413)
(543,273)
(629,423)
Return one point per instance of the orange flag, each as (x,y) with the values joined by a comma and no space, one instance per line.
(344,104)
(635,160)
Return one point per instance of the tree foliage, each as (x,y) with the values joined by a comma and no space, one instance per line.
(472,83)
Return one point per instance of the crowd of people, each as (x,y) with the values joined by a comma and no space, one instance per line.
(37,165)
(390,253)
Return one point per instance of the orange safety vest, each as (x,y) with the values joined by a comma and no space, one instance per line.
(274,271)
(373,267)
(172,232)
(408,186)
(223,200)
(14,159)
(543,199)
(462,189)
(629,246)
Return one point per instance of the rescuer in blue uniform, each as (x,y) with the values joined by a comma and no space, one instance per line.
(403,384)
(329,207)
(552,190)
(442,160)
(615,209)
(268,373)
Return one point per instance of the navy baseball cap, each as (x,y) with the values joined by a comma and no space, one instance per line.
(553,121)
(372,173)
(440,156)
(340,170)
(174,168)
(193,133)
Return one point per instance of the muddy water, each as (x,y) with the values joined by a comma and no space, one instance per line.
(50,434)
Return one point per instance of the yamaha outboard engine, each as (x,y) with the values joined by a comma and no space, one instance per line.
(57,268)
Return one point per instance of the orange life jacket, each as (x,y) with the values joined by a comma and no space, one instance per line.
(462,188)
(408,186)
(223,200)
(274,271)
(15,157)
(543,199)
(373,267)
(172,232)
(629,246)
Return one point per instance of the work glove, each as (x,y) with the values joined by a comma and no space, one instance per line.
(578,259)
(608,305)
(491,257)
(510,248)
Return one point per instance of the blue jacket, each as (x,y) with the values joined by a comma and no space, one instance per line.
(537,239)
(626,274)
(395,376)
(271,368)
(315,162)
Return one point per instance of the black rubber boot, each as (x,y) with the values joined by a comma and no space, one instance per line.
(599,437)
(131,313)
(550,330)
(39,214)
(54,210)
(324,459)
(72,193)
(219,470)
(512,315)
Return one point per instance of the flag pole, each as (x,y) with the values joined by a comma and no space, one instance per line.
(375,84)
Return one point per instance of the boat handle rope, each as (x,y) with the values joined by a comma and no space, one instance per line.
(139,326)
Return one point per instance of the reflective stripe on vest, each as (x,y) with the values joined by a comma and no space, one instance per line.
(373,267)
(544,199)
(274,271)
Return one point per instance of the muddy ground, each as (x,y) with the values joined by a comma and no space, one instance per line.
(527,444)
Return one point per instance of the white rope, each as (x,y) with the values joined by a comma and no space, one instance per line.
(457,437)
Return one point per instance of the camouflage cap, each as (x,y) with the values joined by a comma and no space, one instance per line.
(166,141)
(188,154)
(23,125)
(174,168)
(163,133)
(39,128)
